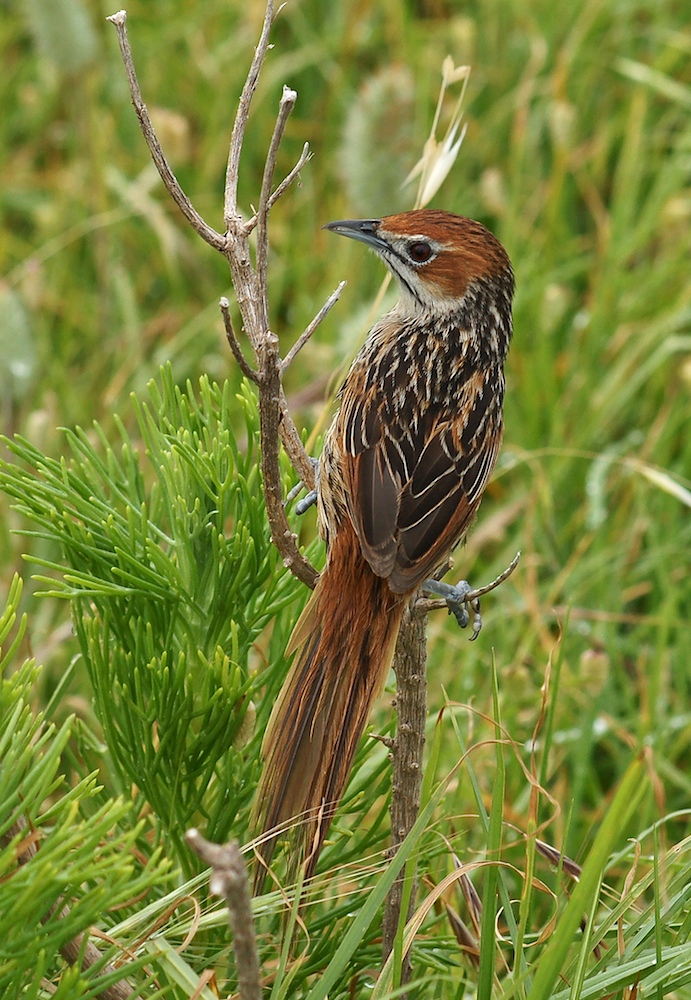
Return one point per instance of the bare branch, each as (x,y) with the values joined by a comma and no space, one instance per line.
(244,282)
(292,442)
(288,99)
(311,327)
(169,179)
(270,423)
(250,285)
(407,753)
(251,288)
(305,156)
(229,880)
(244,365)
(231,212)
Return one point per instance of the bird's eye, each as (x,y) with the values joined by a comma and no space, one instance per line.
(420,251)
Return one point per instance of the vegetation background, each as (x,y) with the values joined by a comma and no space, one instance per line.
(578,156)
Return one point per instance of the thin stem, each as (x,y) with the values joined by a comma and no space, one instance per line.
(288,99)
(231,212)
(270,423)
(410,664)
(312,326)
(250,285)
(305,157)
(292,442)
(234,345)
(229,880)
(169,179)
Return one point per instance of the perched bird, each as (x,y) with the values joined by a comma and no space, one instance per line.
(403,469)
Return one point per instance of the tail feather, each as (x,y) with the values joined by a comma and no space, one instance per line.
(344,644)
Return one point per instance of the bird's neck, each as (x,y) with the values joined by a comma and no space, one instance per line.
(477,325)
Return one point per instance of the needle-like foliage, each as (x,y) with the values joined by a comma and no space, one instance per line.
(67,860)
(172,578)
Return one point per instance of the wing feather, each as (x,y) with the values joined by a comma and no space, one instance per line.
(413,487)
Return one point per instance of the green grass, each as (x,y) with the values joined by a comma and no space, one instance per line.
(578,155)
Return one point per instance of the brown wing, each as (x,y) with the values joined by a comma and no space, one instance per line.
(414,486)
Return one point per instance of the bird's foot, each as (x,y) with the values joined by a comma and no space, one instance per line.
(460,600)
(309,498)
(307,501)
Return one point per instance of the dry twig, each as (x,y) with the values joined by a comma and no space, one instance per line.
(208,234)
(229,880)
(250,284)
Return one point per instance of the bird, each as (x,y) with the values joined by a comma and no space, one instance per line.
(403,468)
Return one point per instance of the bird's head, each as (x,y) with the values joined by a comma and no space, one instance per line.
(436,256)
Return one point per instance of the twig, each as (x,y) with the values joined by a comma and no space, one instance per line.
(305,156)
(75,950)
(312,326)
(242,361)
(252,294)
(409,665)
(269,418)
(292,442)
(250,285)
(285,108)
(231,212)
(229,880)
(208,234)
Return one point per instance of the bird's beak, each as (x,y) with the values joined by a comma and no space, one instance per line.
(364,230)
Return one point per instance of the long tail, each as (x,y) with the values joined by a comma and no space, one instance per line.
(344,644)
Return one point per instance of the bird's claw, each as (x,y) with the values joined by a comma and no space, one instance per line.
(459,602)
(302,505)
(309,499)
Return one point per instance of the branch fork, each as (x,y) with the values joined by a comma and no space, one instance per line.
(250,283)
